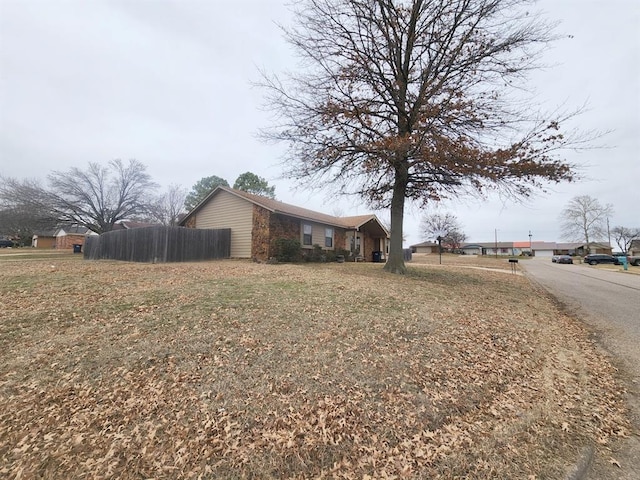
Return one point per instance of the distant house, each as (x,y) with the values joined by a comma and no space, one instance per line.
(44,239)
(424,247)
(634,248)
(62,238)
(543,249)
(524,247)
(129,224)
(490,248)
(257,223)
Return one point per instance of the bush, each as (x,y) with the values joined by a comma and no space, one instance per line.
(316,255)
(332,255)
(287,250)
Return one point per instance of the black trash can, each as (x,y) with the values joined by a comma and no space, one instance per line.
(77,248)
(377,256)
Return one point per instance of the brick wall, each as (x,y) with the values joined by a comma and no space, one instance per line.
(340,239)
(260,234)
(283,227)
(67,242)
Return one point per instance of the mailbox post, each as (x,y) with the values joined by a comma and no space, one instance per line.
(514,264)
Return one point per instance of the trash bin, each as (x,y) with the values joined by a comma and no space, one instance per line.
(377,256)
(77,248)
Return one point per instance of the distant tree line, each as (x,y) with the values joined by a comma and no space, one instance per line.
(101,195)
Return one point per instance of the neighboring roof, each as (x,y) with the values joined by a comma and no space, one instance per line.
(45,233)
(128,224)
(488,245)
(525,244)
(424,244)
(72,230)
(543,245)
(275,206)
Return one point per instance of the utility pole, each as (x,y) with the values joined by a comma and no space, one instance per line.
(496,240)
(530,245)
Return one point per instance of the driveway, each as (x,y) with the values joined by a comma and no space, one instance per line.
(608,301)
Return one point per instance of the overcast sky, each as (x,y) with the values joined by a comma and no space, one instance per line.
(169,83)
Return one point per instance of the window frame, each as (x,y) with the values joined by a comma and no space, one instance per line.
(306,236)
(328,239)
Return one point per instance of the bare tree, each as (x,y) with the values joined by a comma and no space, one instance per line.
(168,207)
(456,239)
(411,100)
(444,225)
(624,236)
(20,222)
(585,219)
(96,197)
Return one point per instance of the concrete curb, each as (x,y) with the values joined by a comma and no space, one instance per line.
(580,470)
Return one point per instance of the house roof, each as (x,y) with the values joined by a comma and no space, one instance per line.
(424,244)
(128,224)
(72,230)
(543,245)
(488,245)
(275,206)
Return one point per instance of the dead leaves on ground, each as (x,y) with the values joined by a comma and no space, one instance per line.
(230,369)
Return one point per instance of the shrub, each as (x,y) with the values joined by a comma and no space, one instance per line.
(287,250)
(316,255)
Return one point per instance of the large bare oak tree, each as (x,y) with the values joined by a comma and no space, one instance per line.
(417,100)
(584,219)
(96,197)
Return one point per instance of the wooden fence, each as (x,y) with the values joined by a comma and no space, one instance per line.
(159,244)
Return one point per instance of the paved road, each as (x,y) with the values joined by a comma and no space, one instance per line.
(609,302)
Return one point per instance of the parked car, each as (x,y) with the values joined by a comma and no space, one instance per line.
(6,243)
(596,258)
(632,260)
(564,259)
(555,258)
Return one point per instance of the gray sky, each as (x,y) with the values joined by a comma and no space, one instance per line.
(169,82)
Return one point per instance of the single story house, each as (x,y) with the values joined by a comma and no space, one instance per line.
(44,239)
(257,222)
(543,249)
(424,247)
(582,249)
(62,238)
(490,248)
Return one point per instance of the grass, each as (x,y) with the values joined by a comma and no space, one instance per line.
(237,370)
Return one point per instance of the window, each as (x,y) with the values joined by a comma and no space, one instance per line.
(306,234)
(328,237)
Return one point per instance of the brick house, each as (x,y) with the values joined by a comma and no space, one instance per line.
(257,222)
(63,238)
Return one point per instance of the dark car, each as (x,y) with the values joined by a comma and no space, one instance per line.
(6,243)
(564,259)
(596,258)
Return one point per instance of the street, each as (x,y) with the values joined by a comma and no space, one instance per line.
(608,302)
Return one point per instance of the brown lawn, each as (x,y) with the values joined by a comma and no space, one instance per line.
(233,369)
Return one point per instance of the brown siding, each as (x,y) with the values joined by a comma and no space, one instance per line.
(46,242)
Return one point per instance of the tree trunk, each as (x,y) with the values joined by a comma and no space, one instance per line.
(395,262)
